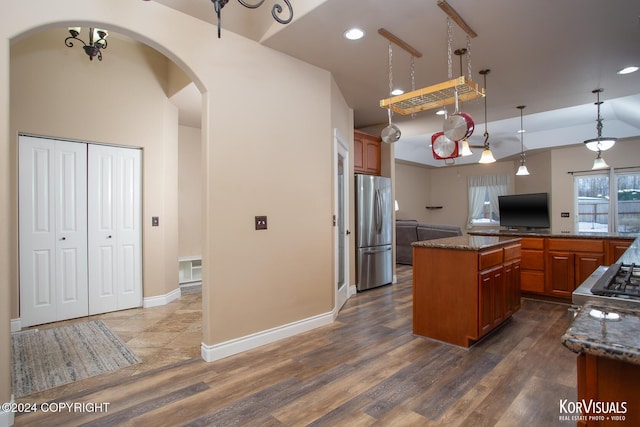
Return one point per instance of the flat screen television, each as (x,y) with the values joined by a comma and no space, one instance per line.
(524,210)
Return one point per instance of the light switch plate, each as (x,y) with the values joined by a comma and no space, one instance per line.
(155,221)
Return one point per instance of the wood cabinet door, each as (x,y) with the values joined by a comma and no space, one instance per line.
(585,265)
(512,288)
(561,274)
(366,153)
(358,156)
(372,156)
(615,249)
(491,299)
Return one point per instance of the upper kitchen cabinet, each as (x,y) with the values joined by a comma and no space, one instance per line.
(366,153)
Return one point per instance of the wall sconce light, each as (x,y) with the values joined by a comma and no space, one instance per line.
(97,41)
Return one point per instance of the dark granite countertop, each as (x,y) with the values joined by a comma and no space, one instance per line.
(548,233)
(616,336)
(466,242)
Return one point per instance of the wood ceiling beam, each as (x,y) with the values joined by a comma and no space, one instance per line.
(451,12)
(399,42)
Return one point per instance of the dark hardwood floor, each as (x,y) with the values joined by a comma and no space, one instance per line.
(367,368)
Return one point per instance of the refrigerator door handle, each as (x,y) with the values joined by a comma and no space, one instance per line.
(375,251)
(378,212)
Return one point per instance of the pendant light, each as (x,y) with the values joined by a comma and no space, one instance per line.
(487,156)
(522,170)
(465,150)
(599,162)
(601,143)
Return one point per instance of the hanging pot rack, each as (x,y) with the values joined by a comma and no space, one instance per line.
(438,95)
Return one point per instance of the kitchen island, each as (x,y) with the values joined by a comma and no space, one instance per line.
(464,287)
(606,335)
(607,340)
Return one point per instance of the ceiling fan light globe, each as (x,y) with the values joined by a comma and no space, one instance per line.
(487,157)
(466,150)
(599,163)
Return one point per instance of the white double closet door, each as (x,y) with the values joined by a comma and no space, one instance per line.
(80,230)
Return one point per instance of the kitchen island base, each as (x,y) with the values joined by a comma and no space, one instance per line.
(464,287)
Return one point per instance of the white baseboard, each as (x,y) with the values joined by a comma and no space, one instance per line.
(7,418)
(353,290)
(161,299)
(16,325)
(394,280)
(215,352)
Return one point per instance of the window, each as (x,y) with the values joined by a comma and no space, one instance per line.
(483,198)
(628,209)
(598,212)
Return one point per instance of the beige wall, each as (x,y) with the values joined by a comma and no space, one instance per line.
(190,238)
(417,186)
(412,191)
(539,180)
(624,154)
(261,156)
(58,104)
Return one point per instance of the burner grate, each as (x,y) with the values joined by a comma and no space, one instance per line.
(620,280)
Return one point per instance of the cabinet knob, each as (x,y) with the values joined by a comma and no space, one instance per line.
(64,238)
(109,236)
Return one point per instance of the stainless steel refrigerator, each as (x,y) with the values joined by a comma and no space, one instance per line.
(373,232)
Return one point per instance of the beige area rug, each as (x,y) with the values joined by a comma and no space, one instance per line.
(43,359)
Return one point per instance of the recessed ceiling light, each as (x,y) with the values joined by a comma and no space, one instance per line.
(397,92)
(354,34)
(628,70)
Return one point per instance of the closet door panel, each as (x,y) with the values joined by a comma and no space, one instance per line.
(102,229)
(71,229)
(114,233)
(129,228)
(52,226)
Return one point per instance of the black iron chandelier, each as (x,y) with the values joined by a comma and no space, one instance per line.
(97,41)
(275,10)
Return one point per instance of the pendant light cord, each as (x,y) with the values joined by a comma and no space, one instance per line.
(486,133)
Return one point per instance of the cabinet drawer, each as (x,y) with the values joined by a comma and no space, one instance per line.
(532,281)
(490,258)
(577,245)
(511,252)
(532,243)
(532,260)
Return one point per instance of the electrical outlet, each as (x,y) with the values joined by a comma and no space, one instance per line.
(261,222)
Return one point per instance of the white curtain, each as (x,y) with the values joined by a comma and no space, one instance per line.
(495,185)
